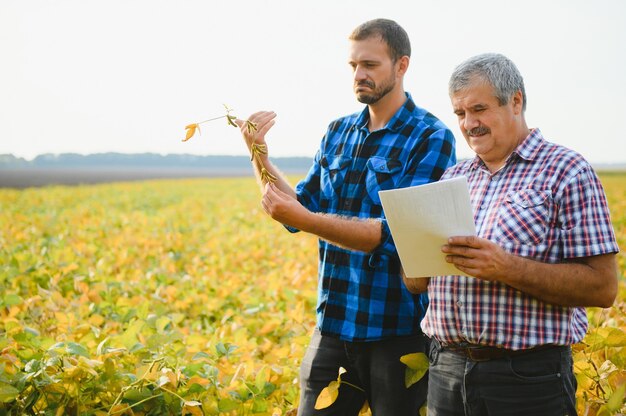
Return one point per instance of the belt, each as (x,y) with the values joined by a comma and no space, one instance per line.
(483,353)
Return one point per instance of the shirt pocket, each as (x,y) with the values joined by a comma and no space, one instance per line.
(333,174)
(524,217)
(381,174)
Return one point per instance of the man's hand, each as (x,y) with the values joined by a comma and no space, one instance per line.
(263,120)
(283,207)
(478,257)
(351,233)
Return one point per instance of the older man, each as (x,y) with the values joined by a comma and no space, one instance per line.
(545,249)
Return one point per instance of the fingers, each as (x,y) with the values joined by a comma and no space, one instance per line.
(465,264)
(261,131)
(466,240)
(266,200)
(275,193)
(261,118)
(265,206)
(262,121)
(464,251)
(272,194)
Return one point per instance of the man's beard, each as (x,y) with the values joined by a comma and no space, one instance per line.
(378,92)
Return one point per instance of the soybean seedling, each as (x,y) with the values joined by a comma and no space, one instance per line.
(256,150)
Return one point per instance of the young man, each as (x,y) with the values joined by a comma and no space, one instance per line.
(545,249)
(366,318)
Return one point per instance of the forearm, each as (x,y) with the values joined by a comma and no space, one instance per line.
(253,131)
(351,233)
(415,285)
(281,182)
(592,282)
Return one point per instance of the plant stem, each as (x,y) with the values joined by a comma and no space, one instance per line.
(136,404)
(211,119)
(352,385)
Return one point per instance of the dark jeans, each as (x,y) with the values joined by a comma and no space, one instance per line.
(534,383)
(373,366)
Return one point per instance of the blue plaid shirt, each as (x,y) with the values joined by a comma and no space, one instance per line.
(361,296)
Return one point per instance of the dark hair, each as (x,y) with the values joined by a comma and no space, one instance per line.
(496,70)
(390,32)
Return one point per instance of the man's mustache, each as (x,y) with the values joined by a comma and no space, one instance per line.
(366,83)
(478,131)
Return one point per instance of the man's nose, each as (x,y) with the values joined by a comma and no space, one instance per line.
(359,73)
(470,122)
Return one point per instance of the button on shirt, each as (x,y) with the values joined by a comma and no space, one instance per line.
(361,296)
(546,204)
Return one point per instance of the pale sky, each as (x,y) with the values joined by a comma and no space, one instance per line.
(91,76)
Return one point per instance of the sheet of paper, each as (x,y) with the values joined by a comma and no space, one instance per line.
(422,218)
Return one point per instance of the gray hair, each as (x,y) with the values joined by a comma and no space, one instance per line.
(496,70)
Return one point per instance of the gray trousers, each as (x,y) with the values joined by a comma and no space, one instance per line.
(538,383)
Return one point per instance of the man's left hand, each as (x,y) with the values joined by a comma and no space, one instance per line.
(477,257)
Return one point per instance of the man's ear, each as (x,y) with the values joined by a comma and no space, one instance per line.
(402,65)
(518,102)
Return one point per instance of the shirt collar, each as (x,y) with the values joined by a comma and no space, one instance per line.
(398,120)
(530,147)
(527,150)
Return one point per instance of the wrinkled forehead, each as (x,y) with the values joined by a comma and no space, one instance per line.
(478,92)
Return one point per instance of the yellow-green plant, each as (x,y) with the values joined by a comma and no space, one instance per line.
(329,394)
(143,289)
(416,367)
(256,150)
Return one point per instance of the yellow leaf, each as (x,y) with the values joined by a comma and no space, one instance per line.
(417,366)
(615,337)
(192,408)
(617,399)
(121,410)
(617,378)
(191,130)
(168,378)
(198,380)
(327,396)
(96,320)
(262,376)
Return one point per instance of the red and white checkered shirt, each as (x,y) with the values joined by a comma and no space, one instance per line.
(546,204)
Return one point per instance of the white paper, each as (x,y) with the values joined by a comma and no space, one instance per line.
(422,218)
